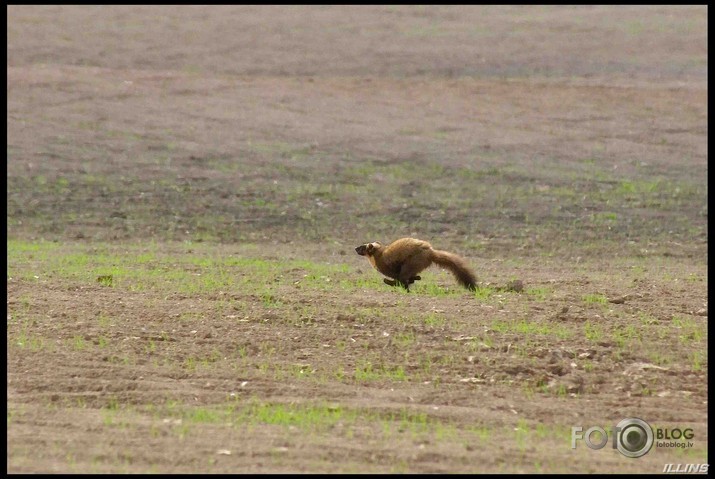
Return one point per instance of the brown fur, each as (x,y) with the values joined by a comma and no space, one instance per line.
(404,259)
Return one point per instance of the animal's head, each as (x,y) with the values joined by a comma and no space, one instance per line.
(367,249)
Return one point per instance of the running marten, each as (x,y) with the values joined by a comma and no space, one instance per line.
(403,259)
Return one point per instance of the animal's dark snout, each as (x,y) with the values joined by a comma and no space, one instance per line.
(360,250)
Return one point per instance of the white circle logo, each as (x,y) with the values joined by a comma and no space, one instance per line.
(634,437)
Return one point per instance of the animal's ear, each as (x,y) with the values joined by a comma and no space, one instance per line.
(370,248)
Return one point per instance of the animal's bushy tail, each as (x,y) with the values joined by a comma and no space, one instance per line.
(457,266)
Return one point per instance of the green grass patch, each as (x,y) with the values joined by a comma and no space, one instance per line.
(626,335)
(526,328)
(136,269)
(689,330)
(25,340)
(483,293)
(366,371)
(539,294)
(595,299)
(593,332)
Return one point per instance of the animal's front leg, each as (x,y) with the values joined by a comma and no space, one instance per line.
(393,282)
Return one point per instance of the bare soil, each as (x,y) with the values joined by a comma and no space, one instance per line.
(562,146)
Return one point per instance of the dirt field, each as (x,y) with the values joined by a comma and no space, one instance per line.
(186,187)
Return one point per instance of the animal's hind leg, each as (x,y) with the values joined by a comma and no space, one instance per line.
(408,275)
(393,282)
